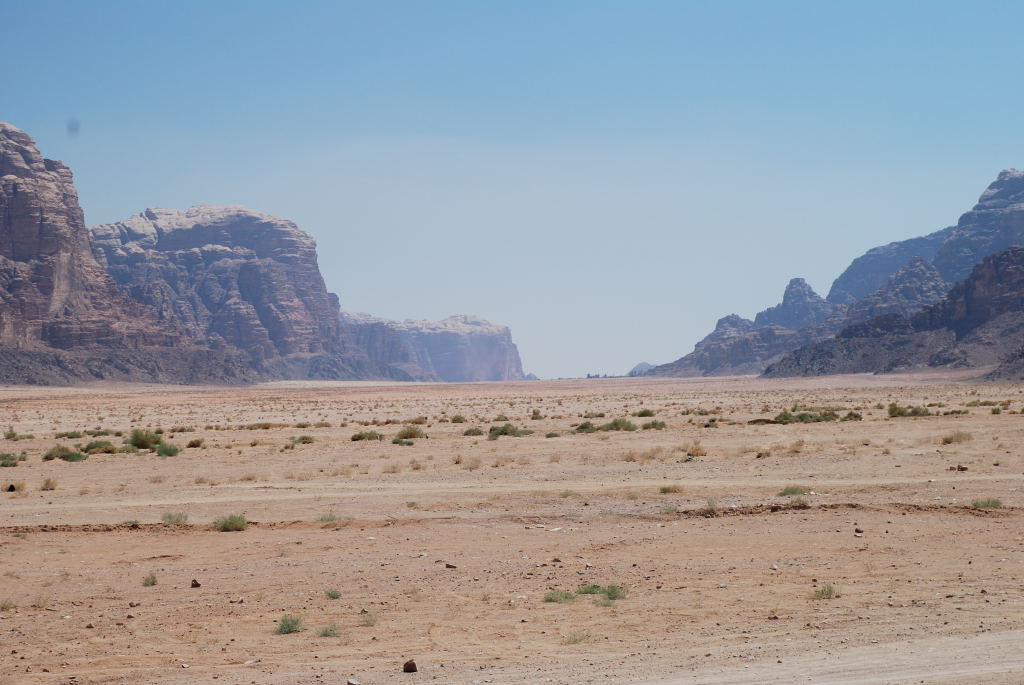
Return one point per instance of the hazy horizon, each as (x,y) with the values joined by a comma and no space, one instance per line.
(606,179)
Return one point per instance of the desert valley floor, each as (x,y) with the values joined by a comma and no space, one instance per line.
(886,564)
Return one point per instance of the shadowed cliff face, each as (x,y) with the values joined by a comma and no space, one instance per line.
(229,276)
(899,278)
(53,293)
(978,323)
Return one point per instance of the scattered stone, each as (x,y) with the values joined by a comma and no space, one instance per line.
(774,567)
(858,530)
(352,681)
(196,583)
(409,666)
(450,566)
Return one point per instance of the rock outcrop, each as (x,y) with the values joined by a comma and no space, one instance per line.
(235,279)
(978,323)
(640,369)
(203,295)
(53,293)
(740,346)
(915,286)
(872,269)
(800,307)
(459,348)
(994,224)
(901,278)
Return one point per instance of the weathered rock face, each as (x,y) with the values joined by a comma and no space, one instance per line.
(995,223)
(872,269)
(978,323)
(901,278)
(740,346)
(800,307)
(458,349)
(53,293)
(915,286)
(640,369)
(228,276)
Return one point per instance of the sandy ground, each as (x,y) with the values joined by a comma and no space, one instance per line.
(443,551)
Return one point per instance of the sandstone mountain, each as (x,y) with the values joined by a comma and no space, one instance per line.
(207,294)
(978,323)
(915,286)
(460,348)
(800,307)
(901,278)
(61,314)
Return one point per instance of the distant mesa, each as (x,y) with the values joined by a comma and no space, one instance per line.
(462,348)
(207,294)
(887,284)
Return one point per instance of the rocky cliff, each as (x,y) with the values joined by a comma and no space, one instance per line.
(459,348)
(901,277)
(53,293)
(800,307)
(235,279)
(740,346)
(978,323)
(915,286)
(207,294)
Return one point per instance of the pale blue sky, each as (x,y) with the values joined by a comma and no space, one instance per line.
(607,178)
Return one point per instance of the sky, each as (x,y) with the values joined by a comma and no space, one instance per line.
(606,178)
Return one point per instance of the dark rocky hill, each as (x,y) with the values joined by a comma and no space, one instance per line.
(980,322)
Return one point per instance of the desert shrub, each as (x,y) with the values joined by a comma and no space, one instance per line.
(472,432)
(403,443)
(288,624)
(166,449)
(618,425)
(332,594)
(65,453)
(195,442)
(560,596)
(997,410)
(654,425)
(496,432)
(826,591)
(149,580)
(791,490)
(666,489)
(500,417)
(367,435)
(303,440)
(48,484)
(458,418)
(552,434)
(232,523)
(806,417)
(987,503)
(593,415)
(585,427)
(99,447)
(144,439)
(852,416)
(329,631)
(174,517)
(410,433)
(644,413)
(418,420)
(896,411)
(536,415)
(71,435)
(8,460)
